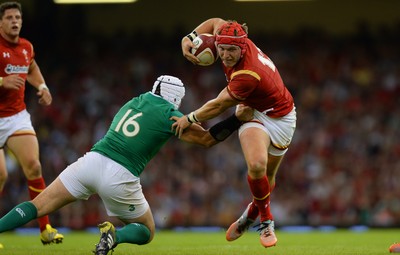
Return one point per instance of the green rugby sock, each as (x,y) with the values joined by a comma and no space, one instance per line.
(18,216)
(134,233)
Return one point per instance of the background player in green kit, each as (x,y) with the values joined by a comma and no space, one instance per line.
(113,166)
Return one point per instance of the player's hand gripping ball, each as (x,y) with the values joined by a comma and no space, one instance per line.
(205,49)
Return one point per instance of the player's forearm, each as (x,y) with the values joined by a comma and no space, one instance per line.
(209,26)
(213,107)
(217,133)
(210,110)
(35,77)
(196,134)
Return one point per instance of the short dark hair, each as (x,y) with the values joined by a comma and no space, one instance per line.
(9,5)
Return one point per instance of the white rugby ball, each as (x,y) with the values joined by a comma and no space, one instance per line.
(205,49)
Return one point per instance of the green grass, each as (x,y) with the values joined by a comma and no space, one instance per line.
(373,242)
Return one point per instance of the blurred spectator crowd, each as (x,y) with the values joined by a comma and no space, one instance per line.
(341,169)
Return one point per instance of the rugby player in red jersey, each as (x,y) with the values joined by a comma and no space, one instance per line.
(252,80)
(17,65)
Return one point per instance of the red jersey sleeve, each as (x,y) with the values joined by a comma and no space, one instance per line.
(242,86)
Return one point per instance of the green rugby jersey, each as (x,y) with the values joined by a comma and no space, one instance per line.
(138,131)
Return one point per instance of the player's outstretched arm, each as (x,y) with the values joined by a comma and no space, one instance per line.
(196,134)
(209,110)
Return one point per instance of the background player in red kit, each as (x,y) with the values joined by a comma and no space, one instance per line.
(17,65)
(253,80)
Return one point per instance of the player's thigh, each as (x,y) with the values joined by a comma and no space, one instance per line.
(120,191)
(123,197)
(3,169)
(26,150)
(255,142)
(52,198)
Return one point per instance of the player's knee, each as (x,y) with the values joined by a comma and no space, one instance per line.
(152,233)
(33,170)
(146,234)
(257,167)
(3,179)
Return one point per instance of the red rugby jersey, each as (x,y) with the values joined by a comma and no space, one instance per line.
(256,82)
(15,58)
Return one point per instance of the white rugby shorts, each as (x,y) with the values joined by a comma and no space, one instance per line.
(19,123)
(119,189)
(280,130)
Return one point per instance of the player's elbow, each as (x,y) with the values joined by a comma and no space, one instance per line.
(210,143)
(209,140)
(206,141)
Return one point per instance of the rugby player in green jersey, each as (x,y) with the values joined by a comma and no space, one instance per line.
(113,166)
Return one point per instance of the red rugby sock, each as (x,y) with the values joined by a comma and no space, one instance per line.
(261,190)
(35,187)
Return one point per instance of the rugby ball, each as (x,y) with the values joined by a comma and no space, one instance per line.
(205,49)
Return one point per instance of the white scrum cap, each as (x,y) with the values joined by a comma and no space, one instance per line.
(170,88)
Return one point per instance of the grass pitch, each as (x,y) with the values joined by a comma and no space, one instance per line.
(372,242)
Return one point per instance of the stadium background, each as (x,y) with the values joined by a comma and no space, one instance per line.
(340,59)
